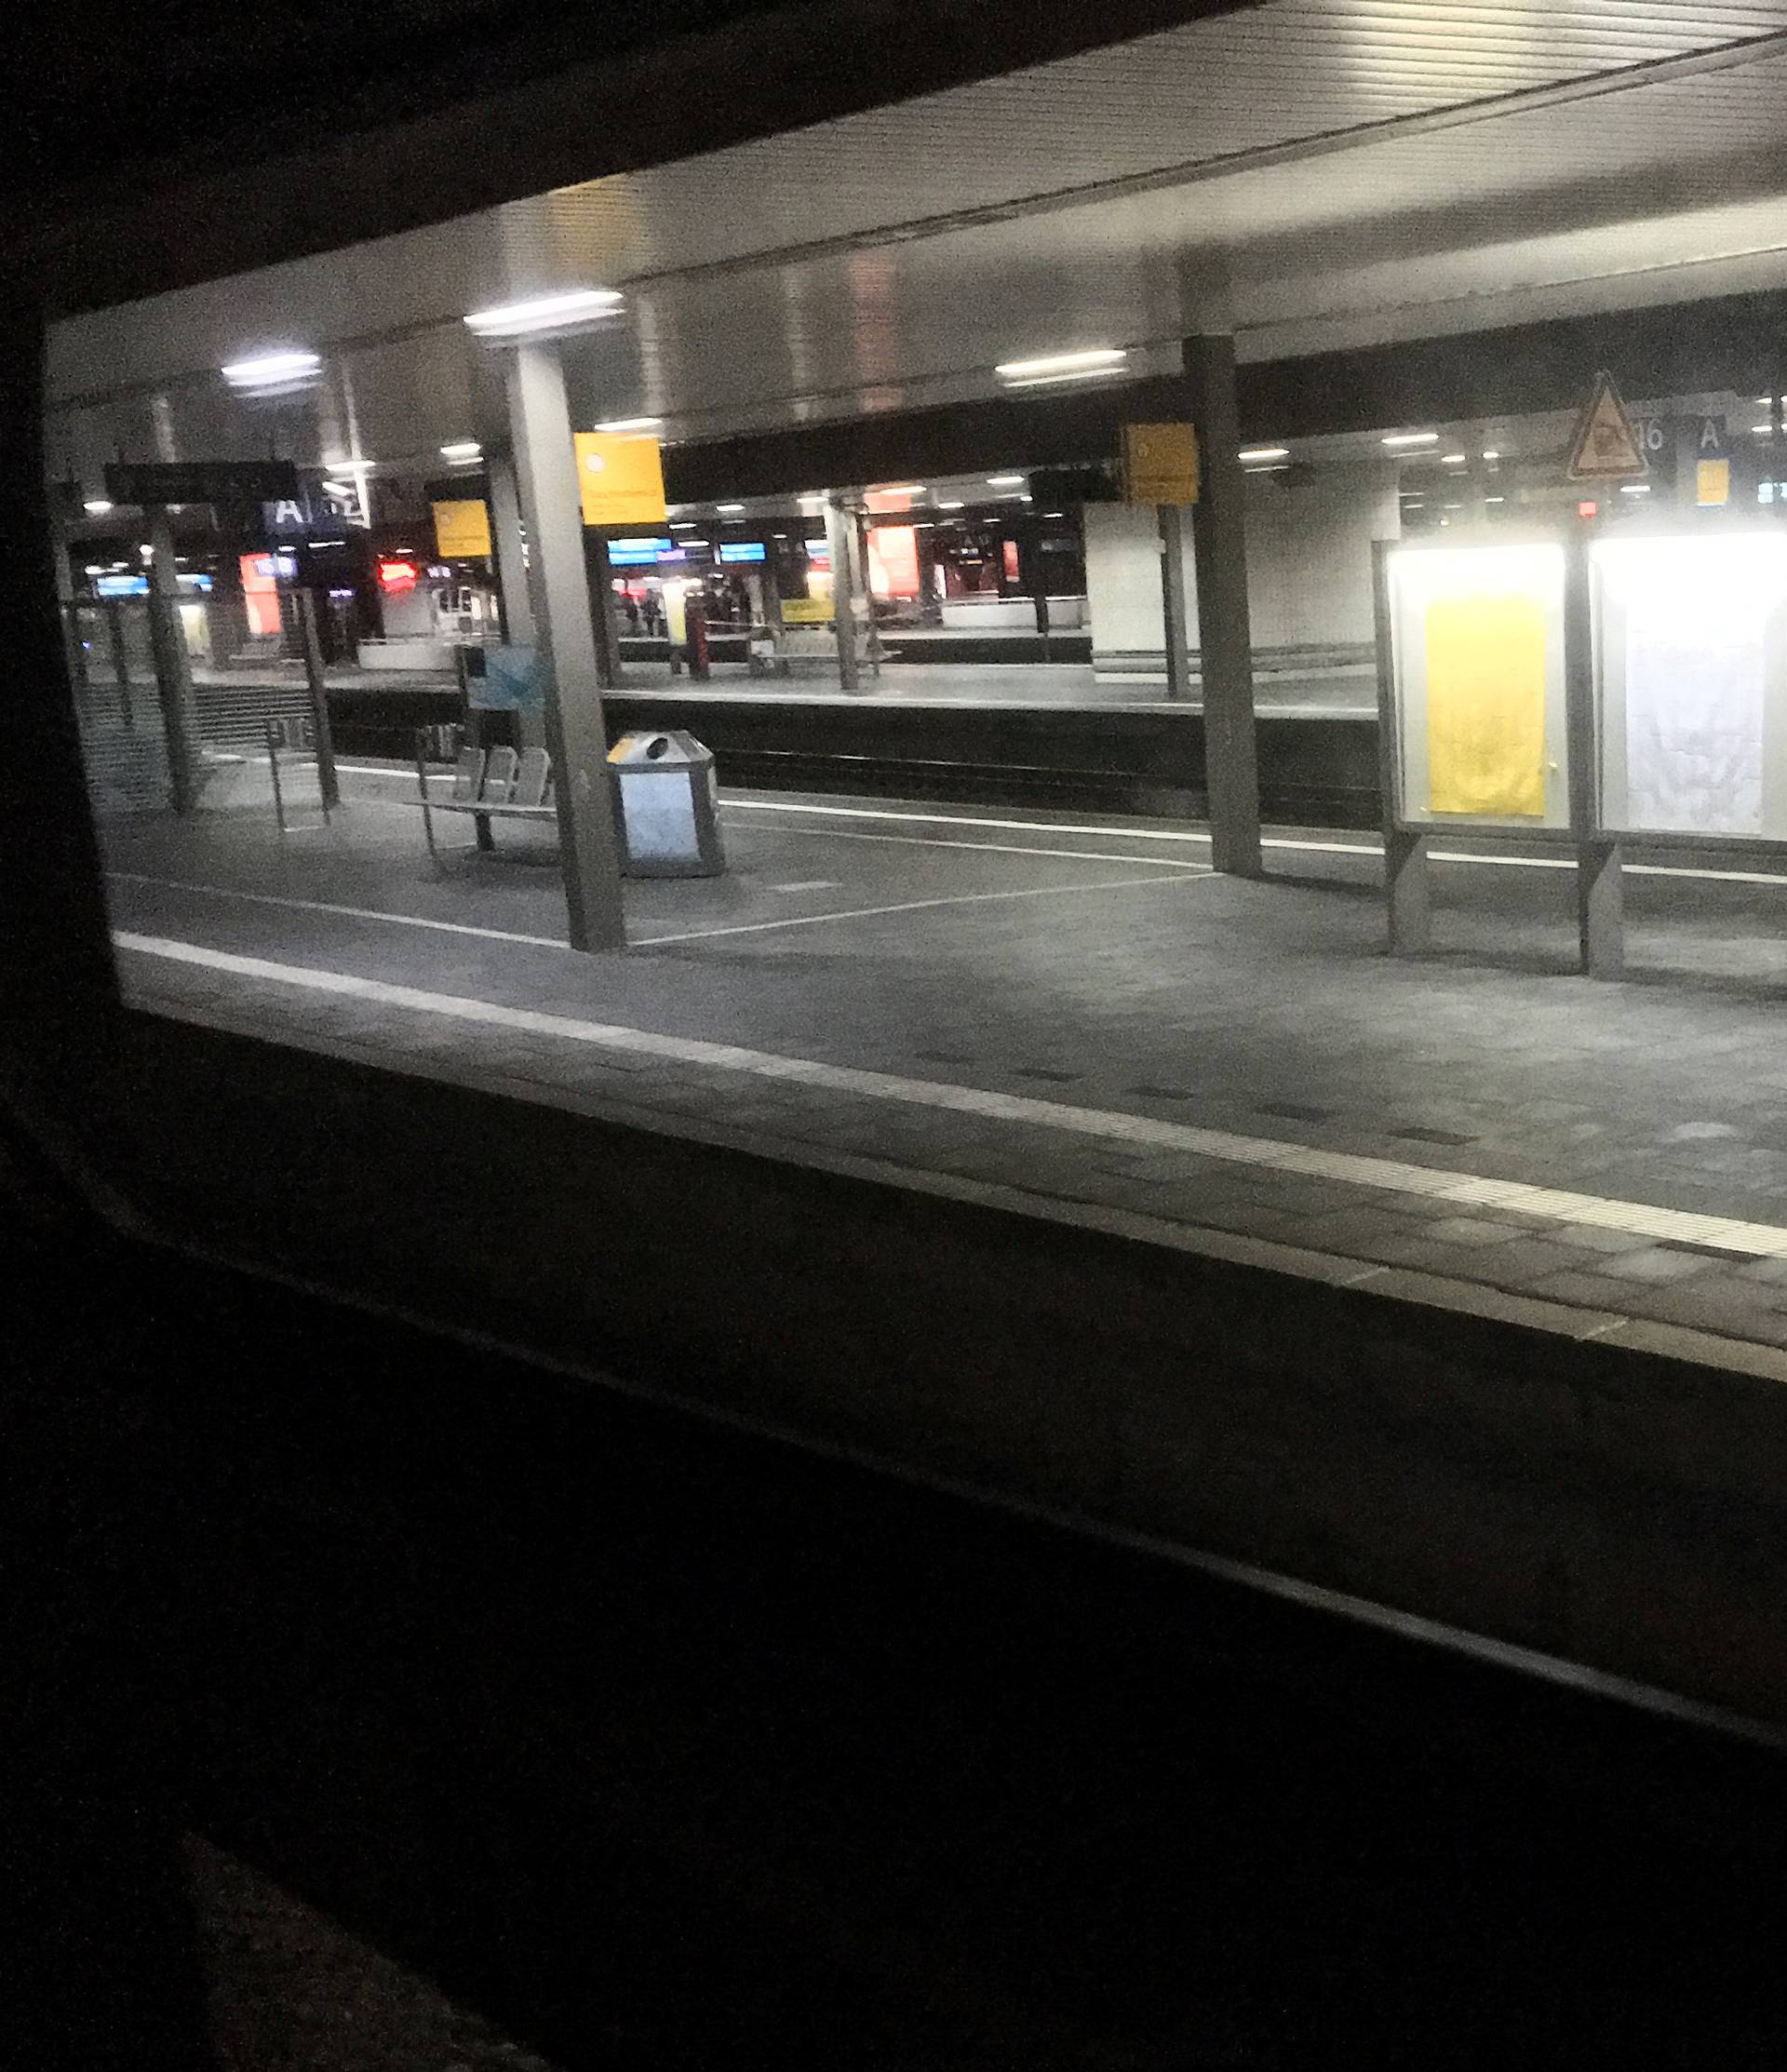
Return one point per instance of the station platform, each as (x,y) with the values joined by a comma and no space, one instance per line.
(1074,1015)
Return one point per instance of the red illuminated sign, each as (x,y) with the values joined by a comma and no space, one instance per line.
(1586,509)
(398,575)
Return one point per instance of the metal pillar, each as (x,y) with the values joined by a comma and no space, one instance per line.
(601,608)
(1225,638)
(1179,656)
(229,606)
(1600,902)
(511,562)
(1407,899)
(173,664)
(515,601)
(73,651)
(576,733)
(863,587)
(840,528)
(114,613)
(328,783)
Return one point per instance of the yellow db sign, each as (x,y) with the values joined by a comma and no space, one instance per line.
(462,529)
(1161,463)
(805,611)
(620,479)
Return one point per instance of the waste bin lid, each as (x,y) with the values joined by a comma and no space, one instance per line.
(671,750)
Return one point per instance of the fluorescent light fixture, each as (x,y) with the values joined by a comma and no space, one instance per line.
(1266,453)
(1062,363)
(950,502)
(1054,381)
(1634,488)
(271,370)
(1491,453)
(1005,481)
(1452,460)
(97,506)
(340,489)
(629,424)
(1494,500)
(729,507)
(684,525)
(1760,430)
(545,313)
(462,450)
(1412,439)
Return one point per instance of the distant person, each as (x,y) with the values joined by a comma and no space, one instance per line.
(632,610)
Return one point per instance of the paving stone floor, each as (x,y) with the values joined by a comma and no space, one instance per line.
(1088,963)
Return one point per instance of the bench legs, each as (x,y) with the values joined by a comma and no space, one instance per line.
(486,834)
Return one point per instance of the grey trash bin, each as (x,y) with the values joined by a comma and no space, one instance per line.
(668,807)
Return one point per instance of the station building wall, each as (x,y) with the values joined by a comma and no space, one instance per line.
(1308,567)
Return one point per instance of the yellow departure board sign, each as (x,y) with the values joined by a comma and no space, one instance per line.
(806,610)
(462,529)
(620,478)
(1161,463)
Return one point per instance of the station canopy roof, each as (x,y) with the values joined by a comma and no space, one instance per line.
(1312,174)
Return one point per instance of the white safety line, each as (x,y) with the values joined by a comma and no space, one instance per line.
(1436,1183)
(994,848)
(1304,844)
(351,913)
(910,907)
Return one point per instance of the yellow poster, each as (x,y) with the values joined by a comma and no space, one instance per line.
(621,477)
(462,529)
(806,610)
(1486,705)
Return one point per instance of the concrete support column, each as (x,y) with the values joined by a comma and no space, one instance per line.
(173,664)
(1225,636)
(576,732)
(1178,658)
(841,527)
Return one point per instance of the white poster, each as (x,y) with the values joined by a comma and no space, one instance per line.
(1693,724)
(1693,617)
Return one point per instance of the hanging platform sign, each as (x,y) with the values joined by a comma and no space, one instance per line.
(620,479)
(1160,463)
(463,528)
(1606,447)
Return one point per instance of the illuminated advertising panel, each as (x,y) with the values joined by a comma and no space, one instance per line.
(1691,670)
(1478,651)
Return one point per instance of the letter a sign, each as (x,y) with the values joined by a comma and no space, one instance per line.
(1607,444)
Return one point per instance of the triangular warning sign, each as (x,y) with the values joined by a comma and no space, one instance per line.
(1607,443)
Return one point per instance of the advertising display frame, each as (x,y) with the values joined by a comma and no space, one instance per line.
(1612,652)
(1571,752)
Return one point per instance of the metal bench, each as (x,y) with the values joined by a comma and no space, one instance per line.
(488,784)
